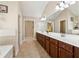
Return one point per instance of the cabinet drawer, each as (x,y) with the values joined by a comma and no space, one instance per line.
(47,46)
(53,44)
(66,46)
(76,52)
(53,41)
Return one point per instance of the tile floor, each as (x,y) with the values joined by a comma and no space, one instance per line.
(31,49)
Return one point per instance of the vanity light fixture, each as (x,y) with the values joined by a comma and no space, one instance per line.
(61,5)
(43,18)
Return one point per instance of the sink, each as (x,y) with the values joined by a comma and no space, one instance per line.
(62,35)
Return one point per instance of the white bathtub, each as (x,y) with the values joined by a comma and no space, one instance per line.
(6,51)
(8,37)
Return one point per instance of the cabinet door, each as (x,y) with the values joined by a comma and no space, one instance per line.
(47,46)
(37,37)
(64,54)
(53,51)
(44,42)
(76,52)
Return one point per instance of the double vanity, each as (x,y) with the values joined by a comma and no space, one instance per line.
(59,45)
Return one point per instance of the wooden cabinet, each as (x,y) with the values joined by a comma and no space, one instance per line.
(53,48)
(65,50)
(76,52)
(56,48)
(41,39)
(38,37)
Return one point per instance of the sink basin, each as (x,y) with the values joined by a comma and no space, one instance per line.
(62,35)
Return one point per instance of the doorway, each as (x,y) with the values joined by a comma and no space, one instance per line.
(29,28)
(62,26)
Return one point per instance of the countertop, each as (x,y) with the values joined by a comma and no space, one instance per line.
(67,38)
(4,50)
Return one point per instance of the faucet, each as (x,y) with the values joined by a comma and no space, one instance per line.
(62,35)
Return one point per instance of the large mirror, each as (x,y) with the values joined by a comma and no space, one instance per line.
(67,20)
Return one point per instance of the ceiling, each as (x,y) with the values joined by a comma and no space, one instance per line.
(36,8)
(33,8)
(74,9)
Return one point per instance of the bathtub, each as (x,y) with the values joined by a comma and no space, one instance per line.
(6,51)
(9,37)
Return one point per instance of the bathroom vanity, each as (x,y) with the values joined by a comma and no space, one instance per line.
(59,45)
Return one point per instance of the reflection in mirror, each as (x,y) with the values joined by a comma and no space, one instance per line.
(62,26)
(49,27)
(71,17)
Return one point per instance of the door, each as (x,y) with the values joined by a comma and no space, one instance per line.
(62,26)
(29,28)
(53,51)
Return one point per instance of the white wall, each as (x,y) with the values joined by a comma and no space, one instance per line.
(10,20)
